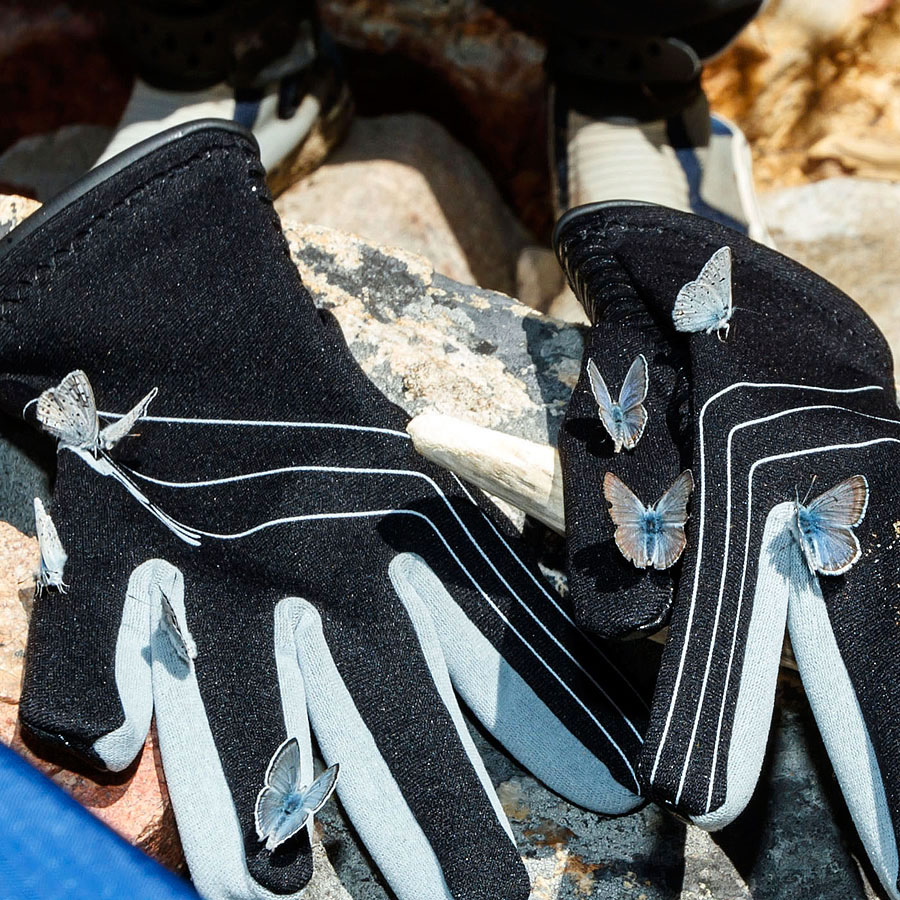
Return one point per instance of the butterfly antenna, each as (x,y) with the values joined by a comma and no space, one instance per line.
(809,489)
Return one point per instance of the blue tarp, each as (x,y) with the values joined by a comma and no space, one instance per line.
(52,848)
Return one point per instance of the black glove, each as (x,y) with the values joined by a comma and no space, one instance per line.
(796,443)
(266,545)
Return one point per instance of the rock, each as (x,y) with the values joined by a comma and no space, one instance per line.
(134,803)
(18,562)
(13,210)
(539,278)
(403,181)
(846,230)
(430,342)
(541,284)
(868,156)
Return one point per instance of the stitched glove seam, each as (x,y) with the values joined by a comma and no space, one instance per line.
(59,256)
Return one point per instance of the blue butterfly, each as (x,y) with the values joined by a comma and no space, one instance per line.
(177,633)
(69,412)
(654,535)
(705,304)
(284,805)
(625,420)
(53,557)
(823,526)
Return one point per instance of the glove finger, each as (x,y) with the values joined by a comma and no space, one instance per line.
(515,611)
(375,708)
(611,596)
(72,690)
(526,723)
(220,720)
(838,713)
(406,573)
(716,688)
(844,634)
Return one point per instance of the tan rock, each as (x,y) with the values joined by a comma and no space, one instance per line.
(134,803)
(13,209)
(868,156)
(846,230)
(403,181)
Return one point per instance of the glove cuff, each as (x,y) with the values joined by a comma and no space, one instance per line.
(593,271)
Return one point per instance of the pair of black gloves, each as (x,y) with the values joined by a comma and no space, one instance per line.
(260,554)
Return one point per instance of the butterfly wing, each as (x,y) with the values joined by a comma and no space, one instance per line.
(672,506)
(605,405)
(69,413)
(832,549)
(317,794)
(114,432)
(283,772)
(633,424)
(705,304)
(630,517)
(269,815)
(281,782)
(631,400)
(53,556)
(671,509)
(179,636)
(634,387)
(843,505)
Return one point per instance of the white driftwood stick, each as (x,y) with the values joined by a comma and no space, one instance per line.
(524,473)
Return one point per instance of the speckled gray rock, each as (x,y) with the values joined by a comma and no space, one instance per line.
(429,342)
